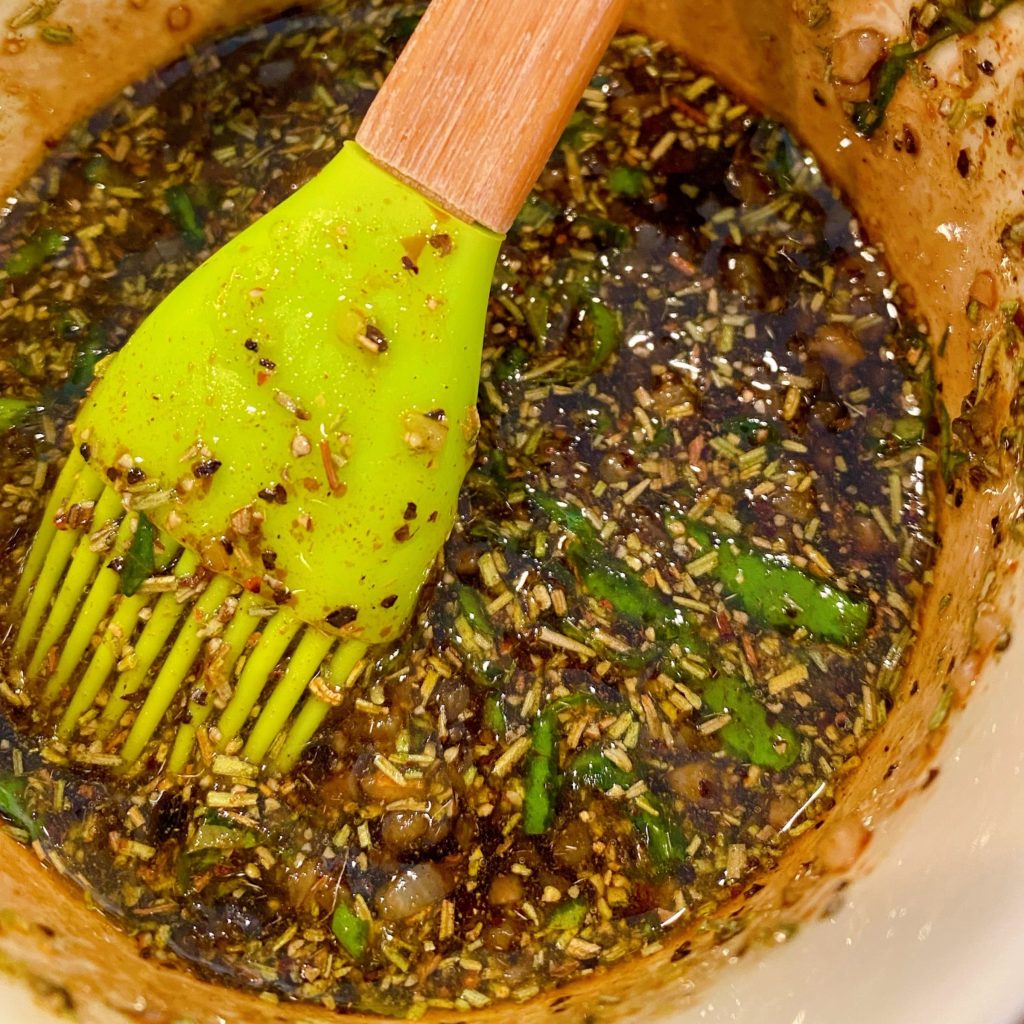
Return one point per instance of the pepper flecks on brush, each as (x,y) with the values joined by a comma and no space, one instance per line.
(310,286)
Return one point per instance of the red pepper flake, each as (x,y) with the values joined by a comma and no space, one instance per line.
(390,601)
(336,486)
(907,141)
(275,494)
(76,517)
(442,244)
(724,625)
(693,453)
(252,584)
(342,616)
(963,163)
(262,377)
(682,264)
(403,533)
(373,340)
(750,651)
(252,345)
(207,468)
(410,265)
(695,114)
(268,364)
(410,512)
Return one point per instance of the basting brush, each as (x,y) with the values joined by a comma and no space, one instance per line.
(261,479)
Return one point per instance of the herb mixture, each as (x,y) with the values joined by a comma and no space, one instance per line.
(931,23)
(670,616)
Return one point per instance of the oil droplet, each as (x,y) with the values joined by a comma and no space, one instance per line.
(349,322)
(179,18)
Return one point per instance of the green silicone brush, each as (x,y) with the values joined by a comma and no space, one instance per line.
(263,476)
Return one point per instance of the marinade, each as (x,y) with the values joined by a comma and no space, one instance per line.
(671,614)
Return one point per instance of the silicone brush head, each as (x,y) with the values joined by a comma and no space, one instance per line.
(282,444)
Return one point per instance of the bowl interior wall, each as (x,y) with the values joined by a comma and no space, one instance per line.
(766,52)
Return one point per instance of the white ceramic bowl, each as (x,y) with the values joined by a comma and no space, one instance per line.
(935,930)
(930,927)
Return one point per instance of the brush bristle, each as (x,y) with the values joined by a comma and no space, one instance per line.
(106,658)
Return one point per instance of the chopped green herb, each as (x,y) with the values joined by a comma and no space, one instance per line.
(592,768)
(472,606)
(582,131)
(780,595)
(908,430)
(211,834)
(654,821)
(93,344)
(541,783)
(34,252)
(942,709)
(661,834)
(494,716)
(351,931)
(32,12)
(750,735)
(628,181)
(752,429)
(101,170)
(12,410)
(608,579)
(183,213)
(140,559)
(12,804)
(568,916)
(785,161)
(536,213)
(57,35)
(606,325)
(951,456)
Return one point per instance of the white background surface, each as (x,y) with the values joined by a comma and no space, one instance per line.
(935,933)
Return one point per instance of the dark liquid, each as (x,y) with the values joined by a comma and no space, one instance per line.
(685,328)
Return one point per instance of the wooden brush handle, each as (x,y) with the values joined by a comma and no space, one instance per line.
(481,94)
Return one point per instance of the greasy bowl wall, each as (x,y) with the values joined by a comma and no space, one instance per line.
(927,929)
